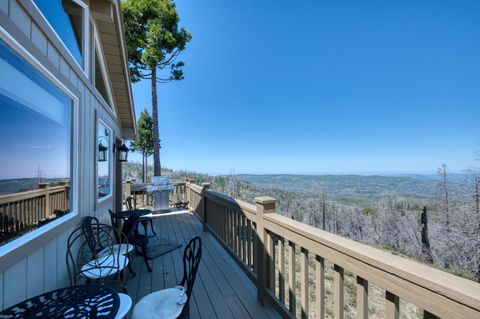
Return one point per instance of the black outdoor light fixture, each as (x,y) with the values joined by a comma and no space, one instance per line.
(122,152)
(102,152)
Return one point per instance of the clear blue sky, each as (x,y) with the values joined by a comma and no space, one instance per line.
(323,87)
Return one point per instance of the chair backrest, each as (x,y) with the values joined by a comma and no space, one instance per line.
(113,220)
(86,242)
(90,231)
(191,260)
(131,203)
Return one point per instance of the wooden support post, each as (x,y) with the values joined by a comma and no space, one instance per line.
(391,305)
(292,280)
(265,205)
(362,298)
(205,187)
(304,282)
(320,287)
(338,292)
(281,270)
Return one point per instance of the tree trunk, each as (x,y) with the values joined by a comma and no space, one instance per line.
(324,210)
(157,169)
(424,232)
(146,169)
(144,179)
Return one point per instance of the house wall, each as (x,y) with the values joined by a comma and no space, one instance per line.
(41,265)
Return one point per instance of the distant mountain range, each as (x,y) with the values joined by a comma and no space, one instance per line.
(375,186)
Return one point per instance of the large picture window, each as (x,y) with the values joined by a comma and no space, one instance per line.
(67,18)
(104,158)
(36,130)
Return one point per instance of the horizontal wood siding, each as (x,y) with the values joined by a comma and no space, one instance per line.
(44,268)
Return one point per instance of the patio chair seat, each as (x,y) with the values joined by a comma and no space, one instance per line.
(164,304)
(122,249)
(104,266)
(125,305)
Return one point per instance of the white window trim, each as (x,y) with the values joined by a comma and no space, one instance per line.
(103,68)
(110,168)
(85,36)
(31,236)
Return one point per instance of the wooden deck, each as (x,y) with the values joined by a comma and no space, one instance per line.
(222,289)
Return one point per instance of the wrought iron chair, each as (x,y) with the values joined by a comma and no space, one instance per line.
(173,302)
(131,203)
(93,253)
(134,237)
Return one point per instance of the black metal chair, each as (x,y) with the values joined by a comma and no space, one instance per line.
(93,253)
(173,302)
(134,237)
(131,203)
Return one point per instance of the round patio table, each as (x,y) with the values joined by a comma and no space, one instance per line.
(125,214)
(82,301)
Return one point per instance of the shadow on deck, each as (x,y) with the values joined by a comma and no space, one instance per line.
(222,289)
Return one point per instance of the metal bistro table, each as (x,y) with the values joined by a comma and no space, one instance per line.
(82,301)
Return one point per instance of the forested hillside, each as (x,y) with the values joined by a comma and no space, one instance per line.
(433,221)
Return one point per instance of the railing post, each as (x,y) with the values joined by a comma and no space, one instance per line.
(47,199)
(265,205)
(187,192)
(205,187)
(128,188)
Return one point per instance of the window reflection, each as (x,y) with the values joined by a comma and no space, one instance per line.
(66,18)
(104,160)
(36,147)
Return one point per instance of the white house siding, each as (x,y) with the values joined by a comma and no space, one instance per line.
(44,269)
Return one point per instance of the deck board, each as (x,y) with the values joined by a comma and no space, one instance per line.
(221,289)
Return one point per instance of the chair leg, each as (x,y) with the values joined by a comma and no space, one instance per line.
(130,268)
(122,281)
(145,257)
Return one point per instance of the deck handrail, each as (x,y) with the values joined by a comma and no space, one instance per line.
(255,234)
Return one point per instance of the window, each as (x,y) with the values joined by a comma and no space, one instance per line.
(67,18)
(104,159)
(36,130)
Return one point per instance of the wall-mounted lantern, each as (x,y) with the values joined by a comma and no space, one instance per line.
(122,152)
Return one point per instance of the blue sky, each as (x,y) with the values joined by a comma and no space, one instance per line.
(323,87)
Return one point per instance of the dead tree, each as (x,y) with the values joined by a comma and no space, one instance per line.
(427,253)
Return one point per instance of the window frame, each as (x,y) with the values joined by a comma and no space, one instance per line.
(110,164)
(32,238)
(85,36)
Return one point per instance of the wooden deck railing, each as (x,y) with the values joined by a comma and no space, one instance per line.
(269,246)
(21,211)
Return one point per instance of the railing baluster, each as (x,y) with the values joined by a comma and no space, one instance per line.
(235,231)
(240,235)
(249,244)
(244,241)
(362,298)
(391,305)
(304,281)
(338,291)
(320,287)
(271,261)
(292,282)
(281,270)
(255,260)
(429,315)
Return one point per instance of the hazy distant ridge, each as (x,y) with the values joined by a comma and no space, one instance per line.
(356,185)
